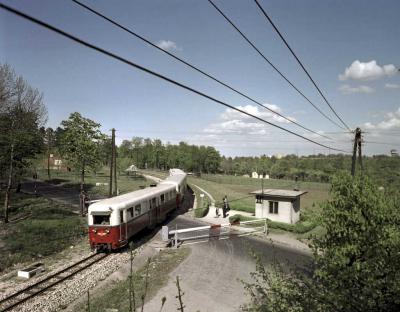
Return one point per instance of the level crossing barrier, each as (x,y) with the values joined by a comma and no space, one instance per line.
(208,231)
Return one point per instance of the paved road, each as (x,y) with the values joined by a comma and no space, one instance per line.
(210,276)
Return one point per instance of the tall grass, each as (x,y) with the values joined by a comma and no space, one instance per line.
(45,228)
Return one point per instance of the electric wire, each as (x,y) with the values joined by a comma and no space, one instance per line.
(146,70)
(273,66)
(383,143)
(130,31)
(300,63)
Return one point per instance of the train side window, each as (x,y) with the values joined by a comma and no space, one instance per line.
(162,198)
(121,216)
(153,202)
(130,212)
(137,210)
(101,219)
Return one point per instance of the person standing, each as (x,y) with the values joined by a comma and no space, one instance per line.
(225,208)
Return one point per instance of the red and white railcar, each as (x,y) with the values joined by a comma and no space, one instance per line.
(113,221)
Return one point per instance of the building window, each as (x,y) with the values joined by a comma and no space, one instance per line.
(273,207)
(258,200)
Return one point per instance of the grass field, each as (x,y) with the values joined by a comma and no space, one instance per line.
(125,183)
(238,188)
(38,228)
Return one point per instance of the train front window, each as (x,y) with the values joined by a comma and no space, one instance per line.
(101,219)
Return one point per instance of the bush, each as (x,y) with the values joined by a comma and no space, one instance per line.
(237,217)
(202,211)
(299,228)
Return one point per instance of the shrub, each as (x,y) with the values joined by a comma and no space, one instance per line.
(300,227)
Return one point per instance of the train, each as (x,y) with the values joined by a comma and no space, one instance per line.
(112,222)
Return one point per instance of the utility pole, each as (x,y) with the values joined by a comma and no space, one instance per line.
(115,167)
(110,193)
(357,145)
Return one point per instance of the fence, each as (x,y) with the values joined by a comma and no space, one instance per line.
(209,231)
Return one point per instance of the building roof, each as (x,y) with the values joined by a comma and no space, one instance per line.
(279,193)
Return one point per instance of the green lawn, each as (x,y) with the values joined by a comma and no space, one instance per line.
(238,188)
(125,183)
(39,227)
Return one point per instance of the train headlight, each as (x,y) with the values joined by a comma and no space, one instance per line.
(107,231)
(94,231)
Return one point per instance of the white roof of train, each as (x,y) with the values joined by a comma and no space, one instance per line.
(176,177)
(122,200)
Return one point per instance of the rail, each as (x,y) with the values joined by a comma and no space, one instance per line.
(37,288)
(207,231)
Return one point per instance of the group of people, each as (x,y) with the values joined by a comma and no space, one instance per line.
(225,208)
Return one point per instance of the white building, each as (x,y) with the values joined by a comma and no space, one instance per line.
(278,205)
(254,175)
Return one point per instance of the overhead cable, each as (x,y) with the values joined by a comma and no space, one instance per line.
(130,31)
(151,72)
(273,66)
(300,63)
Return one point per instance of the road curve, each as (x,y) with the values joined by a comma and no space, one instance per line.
(210,276)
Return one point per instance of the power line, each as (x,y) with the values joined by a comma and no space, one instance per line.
(193,66)
(146,70)
(383,143)
(273,66)
(300,63)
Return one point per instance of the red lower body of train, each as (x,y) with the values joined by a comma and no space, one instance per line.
(106,237)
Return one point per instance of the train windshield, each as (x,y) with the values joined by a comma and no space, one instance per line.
(101,219)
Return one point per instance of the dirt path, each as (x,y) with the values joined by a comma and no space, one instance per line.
(58,193)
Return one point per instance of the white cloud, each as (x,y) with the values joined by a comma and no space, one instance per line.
(346,89)
(392,122)
(168,45)
(367,71)
(392,86)
(231,114)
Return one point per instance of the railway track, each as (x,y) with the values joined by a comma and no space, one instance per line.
(25,294)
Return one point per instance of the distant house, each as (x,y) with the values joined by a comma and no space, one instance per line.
(254,175)
(278,205)
(54,162)
(130,169)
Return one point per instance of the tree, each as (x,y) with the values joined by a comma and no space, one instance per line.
(22,113)
(49,142)
(81,144)
(356,263)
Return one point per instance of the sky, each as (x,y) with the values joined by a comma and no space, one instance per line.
(350,48)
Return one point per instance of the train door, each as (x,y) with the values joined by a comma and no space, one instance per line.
(155,210)
(122,226)
(150,212)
